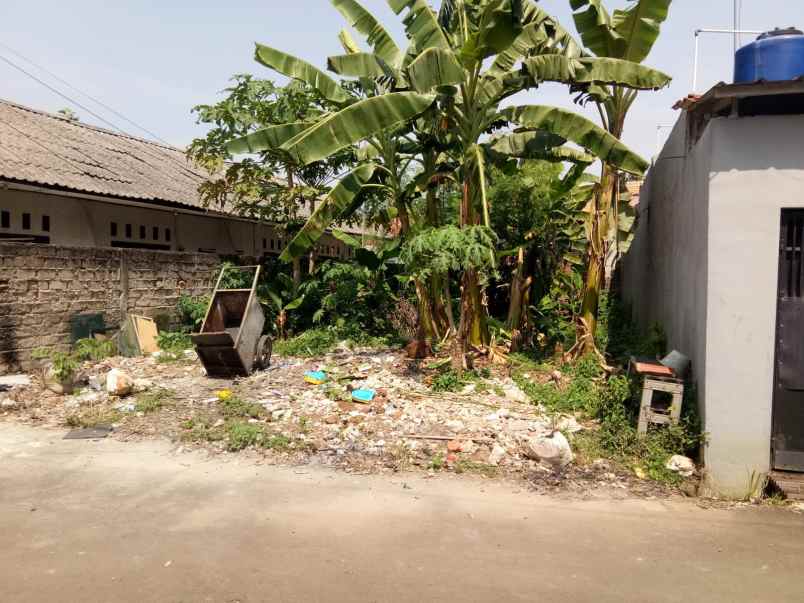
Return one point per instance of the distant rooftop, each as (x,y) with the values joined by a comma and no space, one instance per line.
(52,150)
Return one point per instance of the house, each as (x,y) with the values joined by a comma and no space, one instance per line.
(717,262)
(63,182)
(95,224)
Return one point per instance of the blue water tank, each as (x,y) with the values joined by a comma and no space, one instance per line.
(774,56)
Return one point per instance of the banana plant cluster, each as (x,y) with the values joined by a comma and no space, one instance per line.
(435,104)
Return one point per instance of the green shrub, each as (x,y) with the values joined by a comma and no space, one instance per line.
(447,381)
(241,435)
(192,311)
(64,364)
(94,349)
(153,400)
(234,407)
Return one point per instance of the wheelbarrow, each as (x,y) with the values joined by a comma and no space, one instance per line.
(231,342)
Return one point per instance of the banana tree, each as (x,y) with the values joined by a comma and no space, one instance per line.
(475,54)
(624,35)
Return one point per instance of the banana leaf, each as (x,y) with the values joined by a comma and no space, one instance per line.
(434,67)
(376,35)
(539,145)
(594,23)
(358,64)
(355,123)
(556,68)
(348,42)
(330,210)
(579,130)
(296,68)
(639,26)
(268,138)
(421,24)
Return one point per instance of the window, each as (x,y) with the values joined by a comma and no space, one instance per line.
(264,243)
(142,232)
(128,231)
(46,223)
(155,233)
(113,229)
(5,219)
(272,243)
(167,234)
(26,221)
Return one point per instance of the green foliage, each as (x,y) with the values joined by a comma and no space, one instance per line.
(93,417)
(64,364)
(241,435)
(94,349)
(447,381)
(151,401)
(233,407)
(173,341)
(192,311)
(322,340)
(449,248)
(582,393)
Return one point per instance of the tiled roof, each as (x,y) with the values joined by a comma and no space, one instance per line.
(50,150)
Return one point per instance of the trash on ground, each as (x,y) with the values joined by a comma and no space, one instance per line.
(315,377)
(89,433)
(363,396)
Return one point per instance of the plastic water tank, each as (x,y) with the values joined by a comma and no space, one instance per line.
(774,56)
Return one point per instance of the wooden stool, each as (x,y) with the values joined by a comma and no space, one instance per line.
(648,414)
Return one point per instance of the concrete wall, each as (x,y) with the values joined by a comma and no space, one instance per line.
(665,270)
(757,169)
(43,286)
(704,264)
(84,222)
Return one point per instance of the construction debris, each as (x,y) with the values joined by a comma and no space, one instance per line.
(682,465)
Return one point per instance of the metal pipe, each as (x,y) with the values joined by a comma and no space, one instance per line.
(698,33)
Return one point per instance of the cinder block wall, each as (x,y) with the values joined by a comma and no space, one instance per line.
(43,286)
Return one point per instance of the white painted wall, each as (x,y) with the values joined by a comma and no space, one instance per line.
(704,264)
(87,223)
(757,169)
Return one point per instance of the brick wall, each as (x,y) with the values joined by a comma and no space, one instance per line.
(43,286)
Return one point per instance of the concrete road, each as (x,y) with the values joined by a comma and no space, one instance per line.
(110,521)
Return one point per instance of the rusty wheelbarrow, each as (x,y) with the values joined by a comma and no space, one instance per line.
(231,342)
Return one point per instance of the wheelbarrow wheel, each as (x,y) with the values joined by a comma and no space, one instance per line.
(264,348)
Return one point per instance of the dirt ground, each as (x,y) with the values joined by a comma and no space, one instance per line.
(108,520)
(483,429)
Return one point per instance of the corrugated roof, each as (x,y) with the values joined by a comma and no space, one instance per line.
(51,150)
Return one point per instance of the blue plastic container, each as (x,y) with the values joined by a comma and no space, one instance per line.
(774,56)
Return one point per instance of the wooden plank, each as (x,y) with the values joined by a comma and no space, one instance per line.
(146,331)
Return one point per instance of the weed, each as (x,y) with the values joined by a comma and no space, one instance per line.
(240,435)
(93,416)
(313,342)
(63,364)
(173,341)
(233,407)
(94,349)
(201,429)
(467,466)
(277,442)
(153,400)
(437,462)
(447,381)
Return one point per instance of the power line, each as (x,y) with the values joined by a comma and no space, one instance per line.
(90,97)
(103,120)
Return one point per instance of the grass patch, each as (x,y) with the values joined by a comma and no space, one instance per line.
(467,466)
(92,417)
(153,400)
(320,341)
(449,380)
(582,393)
(232,407)
(201,429)
(241,435)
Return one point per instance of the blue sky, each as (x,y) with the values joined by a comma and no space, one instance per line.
(152,60)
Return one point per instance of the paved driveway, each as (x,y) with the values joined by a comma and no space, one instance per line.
(112,521)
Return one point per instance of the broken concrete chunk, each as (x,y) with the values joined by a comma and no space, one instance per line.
(568,424)
(119,383)
(498,453)
(14,381)
(514,393)
(551,448)
(682,465)
(141,385)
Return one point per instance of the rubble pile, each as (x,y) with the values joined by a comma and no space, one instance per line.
(490,427)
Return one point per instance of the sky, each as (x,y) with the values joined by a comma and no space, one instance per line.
(153,60)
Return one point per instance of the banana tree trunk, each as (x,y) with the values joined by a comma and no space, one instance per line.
(473,329)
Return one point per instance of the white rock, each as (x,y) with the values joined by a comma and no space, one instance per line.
(551,448)
(118,383)
(455,426)
(469,388)
(218,423)
(498,453)
(8,403)
(682,465)
(503,413)
(513,393)
(568,424)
